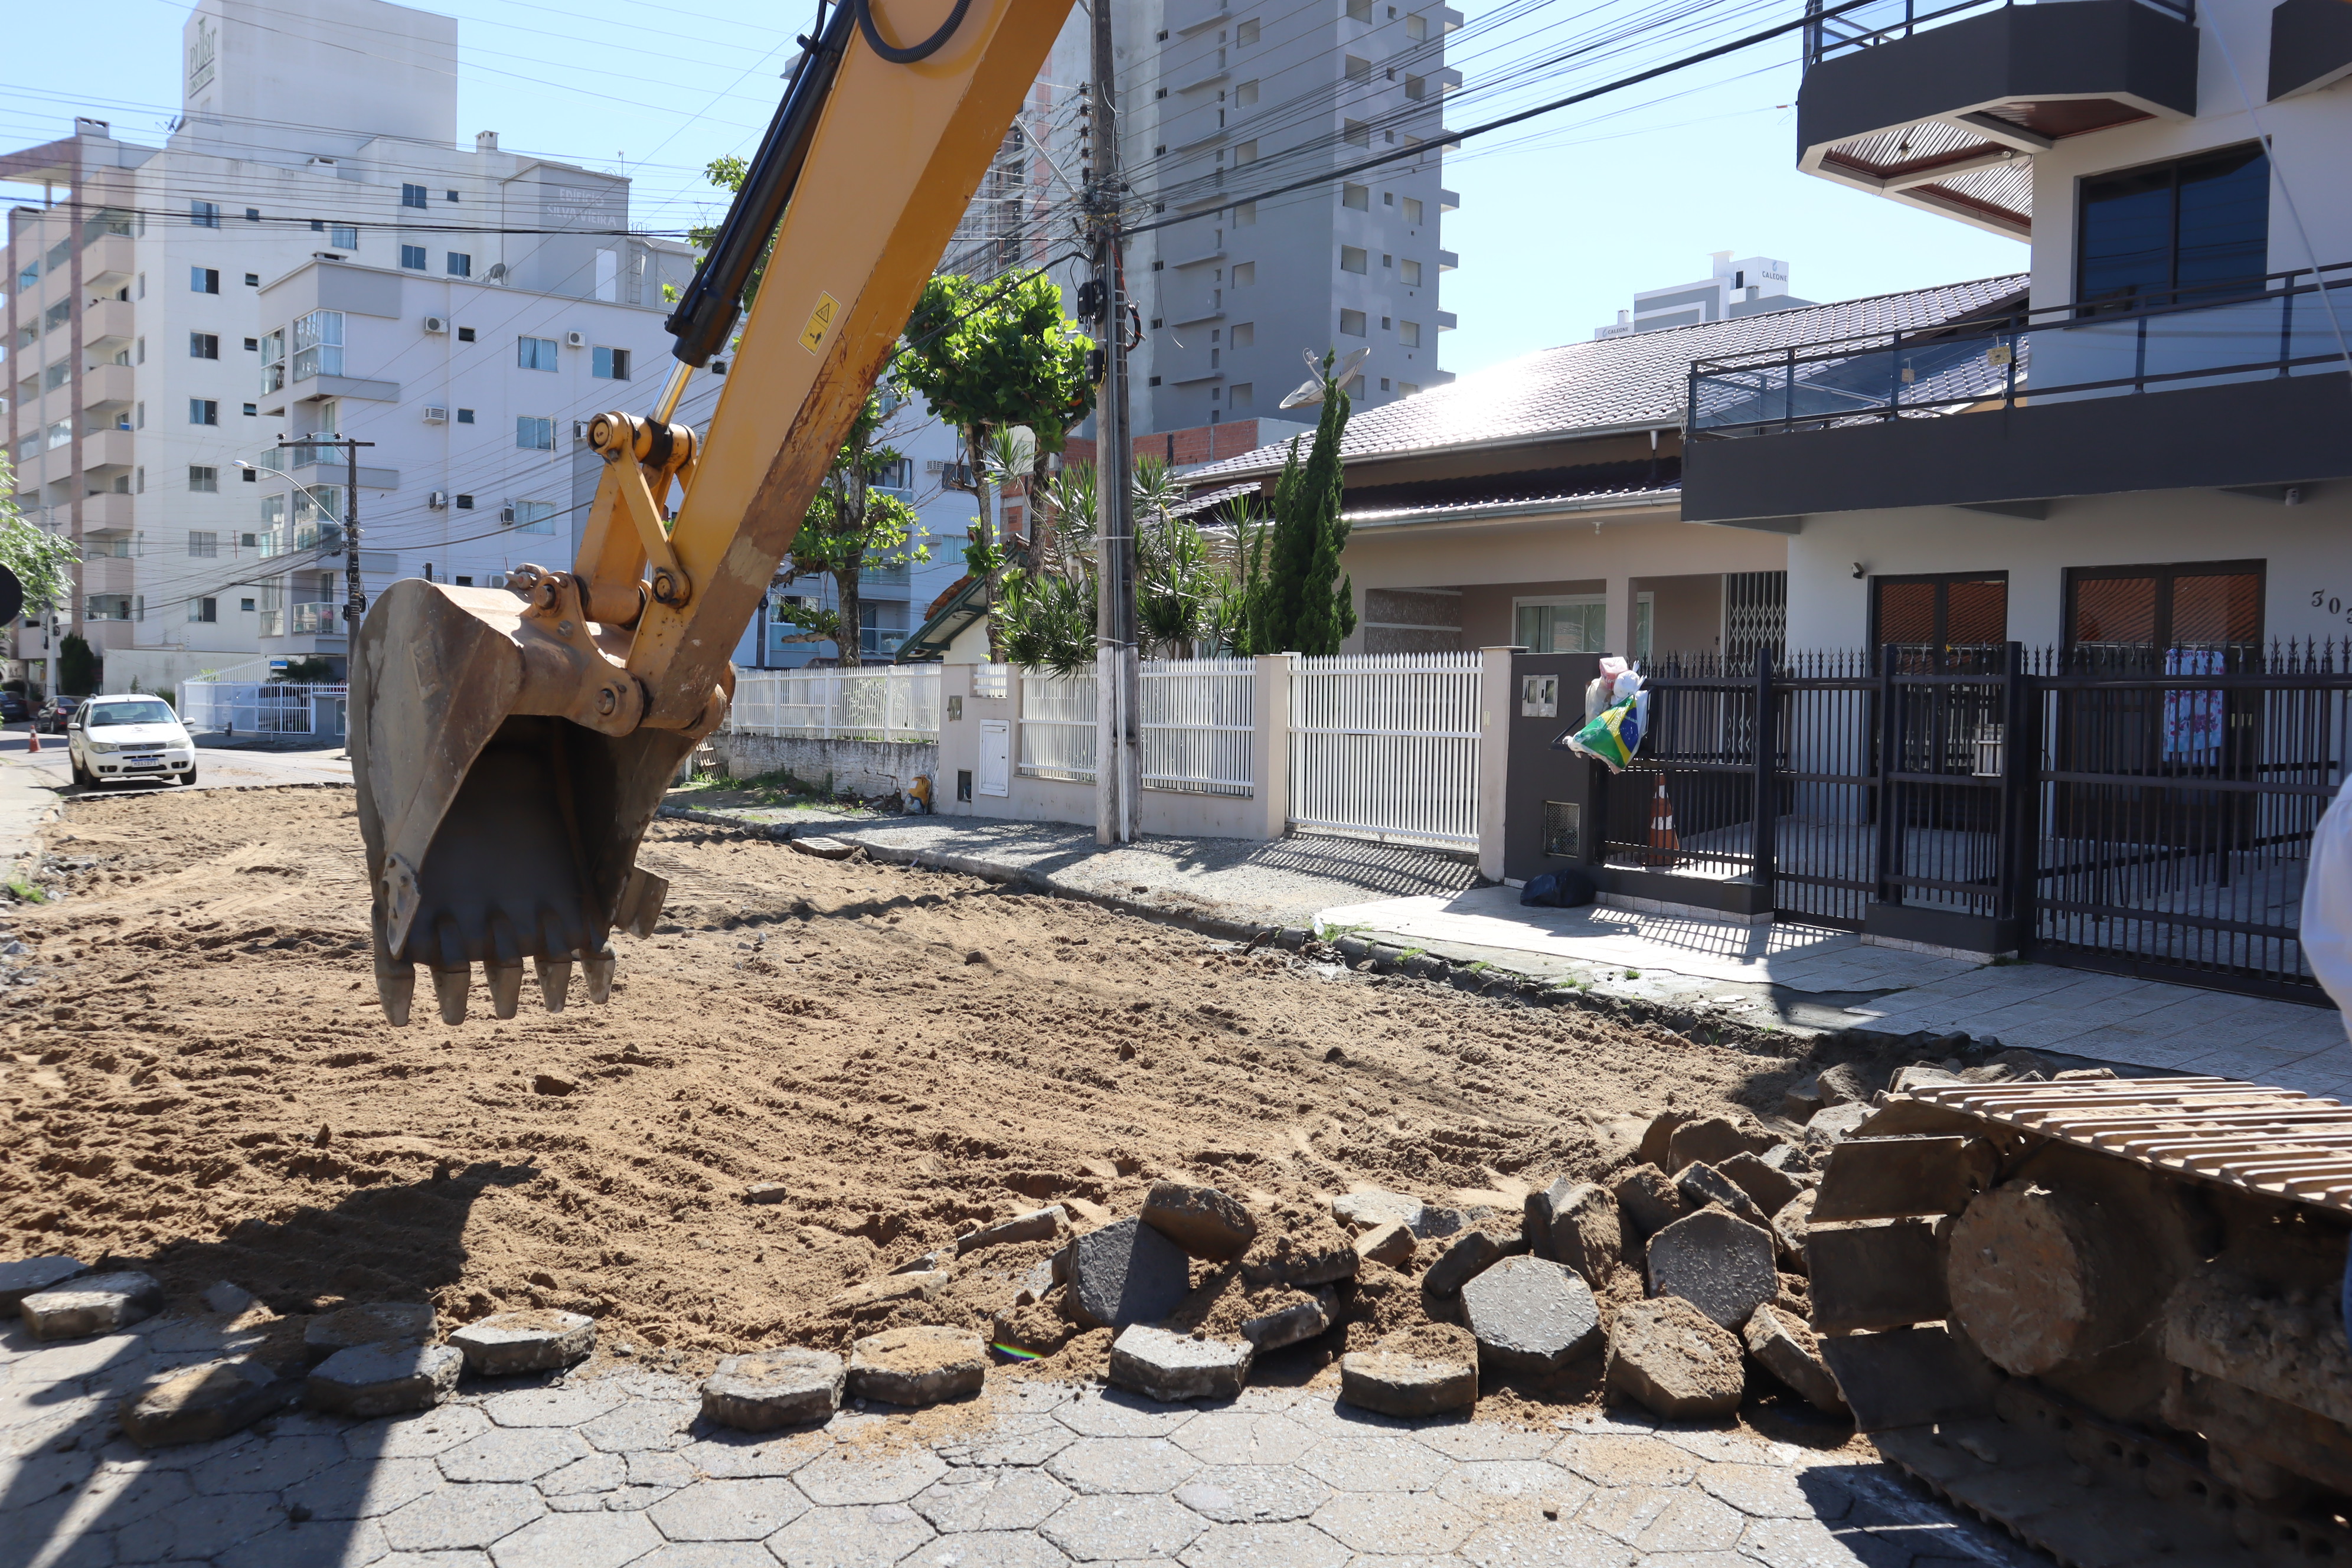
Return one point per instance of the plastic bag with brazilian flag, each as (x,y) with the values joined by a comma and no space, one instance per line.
(1616,714)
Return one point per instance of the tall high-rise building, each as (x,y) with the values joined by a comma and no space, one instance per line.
(1732,289)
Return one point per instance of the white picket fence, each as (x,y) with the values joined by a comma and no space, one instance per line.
(1385,746)
(1198,715)
(889,702)
(1057,726)
(263,706)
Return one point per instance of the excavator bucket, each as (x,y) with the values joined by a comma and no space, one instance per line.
(497,832)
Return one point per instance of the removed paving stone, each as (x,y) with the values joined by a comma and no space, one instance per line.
(384,1378)
(1203,1221)
(1848,1082)
(772,1389)
(1466,1256)
(1581,1228)
(1703,1187)
(1769,1187)
(1718,1262)
(206,1403)
(1037,1224)
(918,1366)
(1392,1244)
(1713,1140)
(26,1276)
(766,1193)
(1531,1314)
(1838,1122)
(229,1300)
(90,1304)
(1649,1200)
(1402,1383)
(1126,1272)
(1920,1076)
(539,1340)
(1317,1254)
(1369,1210)
(1674,1361)
(1785,1346)
(1802,1098)
(1658,1137)
(384,1322)
(914,1285)
(1175,1367)
(1301,1320)
(1792,1226)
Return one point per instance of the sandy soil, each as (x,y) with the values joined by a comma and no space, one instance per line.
(201,1081)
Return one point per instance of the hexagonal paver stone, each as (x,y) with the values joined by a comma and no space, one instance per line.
(417,1436)
(729,1511)
(1584,1232)
(206,1403)
(1514,1489)
(1542,1542)
(1789,1350)
(1389,1243)
(385,1323)
(513,1454)
(1396,1383)
(1465,1257)
(1792,1225)
(1175,1367)
(1649,1200)
(1704,1186)
(1203,1221)
(363,1489)
(1768,1185)
(561,1406)
(1395,1523)
(1718,1262)
(1531,1315)
(841,1478)
(1674,1361)
(1120,1529)
(1712,1139)
(1300,1318)
(1839,1121)
(918,1366)
(454,1518)
(768,1389)
(1244,1437)
(540,1340)
(874,1533)
(640,1425)
(384,1379)
(985,1500)
(1127,1465)
(1373,1208)
(92,1304)
(25,1276)
(578,1541)
(1299,1261)
(1252,1545)
(1126,1272)
(1252,1494)
(980,1549)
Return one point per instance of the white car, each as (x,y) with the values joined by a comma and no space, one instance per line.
(133,736)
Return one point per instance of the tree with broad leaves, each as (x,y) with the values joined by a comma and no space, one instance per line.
(40,558)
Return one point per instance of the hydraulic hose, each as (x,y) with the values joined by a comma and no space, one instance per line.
(908,56)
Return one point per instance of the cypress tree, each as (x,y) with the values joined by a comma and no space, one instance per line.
(1290,602)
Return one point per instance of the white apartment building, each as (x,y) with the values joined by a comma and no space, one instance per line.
(316,164)
(1732,289)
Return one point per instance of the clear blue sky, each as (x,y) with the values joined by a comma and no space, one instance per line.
(1562,219)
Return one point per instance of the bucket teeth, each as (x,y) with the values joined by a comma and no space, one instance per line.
(449,988)
(506,986)
(554,981)
(395,987)
(598,969)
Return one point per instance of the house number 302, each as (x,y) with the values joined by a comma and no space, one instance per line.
(2321,599)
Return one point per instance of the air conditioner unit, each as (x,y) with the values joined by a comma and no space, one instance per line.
(437,499)
(580,429)
(506,514)
(436,415)
(576,340)
(498,579)
(437,324)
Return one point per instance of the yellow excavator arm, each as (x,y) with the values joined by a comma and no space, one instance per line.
(511,745)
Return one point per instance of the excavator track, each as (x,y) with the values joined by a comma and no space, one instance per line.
(2104,1315)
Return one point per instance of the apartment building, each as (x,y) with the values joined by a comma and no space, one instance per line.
(154,344)
(1734,288)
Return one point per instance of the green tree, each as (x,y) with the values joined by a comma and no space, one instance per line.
(849,527)
(77,665)
(40,560)
(727,171)
(1293,597)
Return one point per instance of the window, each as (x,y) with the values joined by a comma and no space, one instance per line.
(1358,68)
(29,276)
(204,280)
(1242,392)
(1573,623)
(203,411)
(1409,271)
(1245,333)
(319,344)
(534,517)
(343,235)
(204,345)
(1244,274)
(1360,10)
(1416,28)
(202,481)
(412,257)
(253,279)
(612,364)
(253,215)
(1352,258)
(273,361)
(251,411)
(1930,615)
(1245,94)
(1356,198)
(1351,323)
(460,263)
(533,434)
(451,196)
(204,610)
(204,546)
(535,353)
(1407,388)
(56,315)
(1408,334)
(465,416)
(61,432)
(253,345)
(107,608)
(1357,133)
(2215,606)
(205,215)
(1413,211)
(1415,88)
(1245,33)
(57,375)
(1245,153)
(250,475)
(465,503)
(2198,225)
(464,334)
(1387,261)
(412,195)
(245,605)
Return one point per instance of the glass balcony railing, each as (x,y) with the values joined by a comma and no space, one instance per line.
(2289,323)
(318,620)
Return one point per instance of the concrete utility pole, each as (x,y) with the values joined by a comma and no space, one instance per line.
(1117,771)
(354,601)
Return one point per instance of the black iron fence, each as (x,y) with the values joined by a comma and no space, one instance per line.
(2146,811)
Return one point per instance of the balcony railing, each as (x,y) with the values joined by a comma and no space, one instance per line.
(2288,324)
(1831,30)
(318,620)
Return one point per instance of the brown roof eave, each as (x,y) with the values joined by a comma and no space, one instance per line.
(1405,454)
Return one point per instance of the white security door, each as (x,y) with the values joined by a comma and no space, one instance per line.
(995,756)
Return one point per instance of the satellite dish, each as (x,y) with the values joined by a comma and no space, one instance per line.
(497,270)
(11,595)
(1312,392)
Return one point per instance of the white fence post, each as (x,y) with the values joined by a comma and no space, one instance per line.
(1270,742)
(1496,697)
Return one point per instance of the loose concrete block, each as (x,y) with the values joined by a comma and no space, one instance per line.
(384,1378)
(1394,1382)
(1718,1262)
(1657,1139)
(918,1366)
(1203,1221)
(538,1341)
(1172,1367)
(915,1285)
(1126,1272)
(1848,1083)
(1037,1224)
(1392,1244)
(26,1276)
(1650,1200)
(2081,1075)
(385,1323)
(1531,1314)
(90,1304)
(229,1300)
(1713,1140)
(1800,1101)
(1469,1254)
(1770,1187)
(1535,1216)
(204,1403)
(1365,1210)
(1291,1325)
(1674,1361)
(766,1193)
(1785,1347)
(1791,1227)
(769,1389)
(1299,1263)
(1836,1124)
(1919,1075)
(1790,1159)
(1585,1234)
(1702,1186)
(1885,1178)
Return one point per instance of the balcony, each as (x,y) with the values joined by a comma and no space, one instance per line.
(107,386)
(104,512)
(2228,387)
(106,450)
(1945,108)
(317,620)
(108,318)
(108,263)
(2310,46)
(107,575)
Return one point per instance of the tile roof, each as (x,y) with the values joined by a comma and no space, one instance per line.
(1612,384)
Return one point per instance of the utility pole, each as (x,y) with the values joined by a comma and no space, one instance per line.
(1117,773)
(354,601)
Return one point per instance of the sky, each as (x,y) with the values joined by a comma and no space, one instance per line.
(1561,218)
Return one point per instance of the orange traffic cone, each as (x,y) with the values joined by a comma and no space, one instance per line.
(1665,849)
(33,736)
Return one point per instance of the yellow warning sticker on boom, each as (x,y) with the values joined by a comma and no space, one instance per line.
(820,322)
